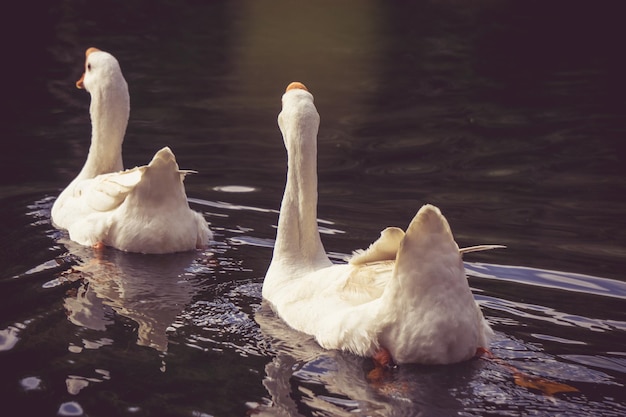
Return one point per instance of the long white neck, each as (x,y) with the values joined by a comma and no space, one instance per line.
(109,110)
(298,242)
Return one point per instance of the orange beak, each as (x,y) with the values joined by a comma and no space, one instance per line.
(295,85)
(80,82)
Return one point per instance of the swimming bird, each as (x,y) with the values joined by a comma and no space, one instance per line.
(144,209)
(405,299)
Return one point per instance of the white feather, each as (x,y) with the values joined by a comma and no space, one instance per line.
(144,209)
(406,293)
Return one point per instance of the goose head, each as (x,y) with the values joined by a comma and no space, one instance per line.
(109,111)
(102,72)
(298,120)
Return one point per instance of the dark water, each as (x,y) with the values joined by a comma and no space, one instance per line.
(507,115)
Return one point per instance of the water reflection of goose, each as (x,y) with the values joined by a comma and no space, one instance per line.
(150,290)
(406,294)
(302,379)
(131,210)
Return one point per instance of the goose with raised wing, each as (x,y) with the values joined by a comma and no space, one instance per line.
(144,209)
(405,299)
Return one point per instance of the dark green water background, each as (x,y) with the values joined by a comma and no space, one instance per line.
(508,115)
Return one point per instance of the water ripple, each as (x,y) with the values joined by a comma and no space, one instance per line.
(528,312)
(586,284)
(225,321)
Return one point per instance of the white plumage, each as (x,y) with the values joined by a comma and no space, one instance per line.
(144,209)
(407,293)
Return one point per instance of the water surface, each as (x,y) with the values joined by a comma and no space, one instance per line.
(506,115)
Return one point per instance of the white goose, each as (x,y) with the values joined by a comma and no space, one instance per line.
(143,209)
(406,295)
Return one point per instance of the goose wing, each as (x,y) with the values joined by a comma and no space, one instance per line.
(106,192)
(384,248)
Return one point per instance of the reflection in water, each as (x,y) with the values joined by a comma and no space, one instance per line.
(538,335)
(288,48)
(517,133)
(151,290)
(550,279)
(8,338)
(304,378)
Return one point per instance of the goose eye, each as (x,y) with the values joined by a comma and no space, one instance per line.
(88,67)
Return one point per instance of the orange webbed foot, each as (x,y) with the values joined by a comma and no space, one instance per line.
(98,246)
(543,385)
(382,376)
(522,379)
(481,351)
(382,364)
(383,358)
